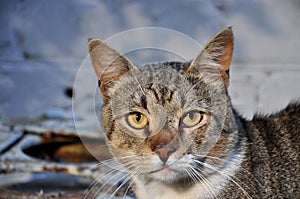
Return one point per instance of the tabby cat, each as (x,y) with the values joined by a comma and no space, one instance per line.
(172,127)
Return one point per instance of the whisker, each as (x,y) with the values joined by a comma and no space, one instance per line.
(203,181)
(103,176)
(235,164)
(117,159)
(127,190)
(140,86)
(114,176)
(125,179)
(132,173)
(130,166)
(97,181)
(227,176)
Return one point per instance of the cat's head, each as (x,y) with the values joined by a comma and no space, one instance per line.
(167,121)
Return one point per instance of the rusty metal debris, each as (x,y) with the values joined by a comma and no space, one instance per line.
(46,159)
(40,195)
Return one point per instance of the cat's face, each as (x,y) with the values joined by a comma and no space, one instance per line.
(169,121)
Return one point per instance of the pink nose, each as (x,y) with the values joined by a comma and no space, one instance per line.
(164,151)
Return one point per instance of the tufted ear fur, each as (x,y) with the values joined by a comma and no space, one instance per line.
(108,64)
(216,54)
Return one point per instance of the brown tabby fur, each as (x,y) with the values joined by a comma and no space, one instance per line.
(222,156)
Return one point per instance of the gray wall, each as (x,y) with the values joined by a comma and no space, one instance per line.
(43,43)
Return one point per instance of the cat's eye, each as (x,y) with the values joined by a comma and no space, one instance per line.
(137,120)
(192,118)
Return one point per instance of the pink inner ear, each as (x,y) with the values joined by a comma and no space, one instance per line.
(225,59)
(225,62)
(222,40)
(224,76)
(218,50)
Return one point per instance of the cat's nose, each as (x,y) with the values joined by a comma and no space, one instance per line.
(164,151)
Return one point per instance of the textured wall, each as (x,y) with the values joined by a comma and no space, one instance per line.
(42,44)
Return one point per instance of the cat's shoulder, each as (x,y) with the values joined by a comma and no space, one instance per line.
(285,122)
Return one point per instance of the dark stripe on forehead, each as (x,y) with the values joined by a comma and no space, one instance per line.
(161,93)
(154,91)
(144,102)
(178,65)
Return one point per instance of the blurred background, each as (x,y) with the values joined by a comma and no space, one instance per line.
(43,43)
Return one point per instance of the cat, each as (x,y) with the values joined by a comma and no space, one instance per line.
(173,128)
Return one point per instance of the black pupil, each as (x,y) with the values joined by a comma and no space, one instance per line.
(138,117)
(191,116)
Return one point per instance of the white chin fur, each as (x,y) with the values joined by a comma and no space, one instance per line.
(167,175)
(172,172)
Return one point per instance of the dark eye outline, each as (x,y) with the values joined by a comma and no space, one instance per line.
(131,125)
(182,125)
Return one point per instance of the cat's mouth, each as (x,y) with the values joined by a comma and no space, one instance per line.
(166,174)
(178,170)
(163,169)
(175,170)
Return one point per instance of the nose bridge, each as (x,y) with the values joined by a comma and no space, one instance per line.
(161,139)
(163,144)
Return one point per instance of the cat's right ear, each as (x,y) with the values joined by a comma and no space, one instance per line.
(108,64)
(215,56)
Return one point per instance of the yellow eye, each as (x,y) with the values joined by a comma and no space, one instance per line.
(191,119)
(137,120)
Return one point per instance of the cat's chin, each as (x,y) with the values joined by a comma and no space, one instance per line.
(166,174)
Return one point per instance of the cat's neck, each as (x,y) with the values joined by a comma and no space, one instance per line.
(153,189)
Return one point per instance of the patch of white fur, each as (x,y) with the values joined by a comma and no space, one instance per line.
(157,189)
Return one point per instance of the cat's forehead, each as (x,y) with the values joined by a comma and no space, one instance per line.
(165,66)
(166,78)
(163,84)
(162,73)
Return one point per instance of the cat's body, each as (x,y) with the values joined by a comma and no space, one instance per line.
(273,154)
(173,128)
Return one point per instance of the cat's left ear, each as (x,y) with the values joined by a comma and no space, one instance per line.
(108,64)
(216,55)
